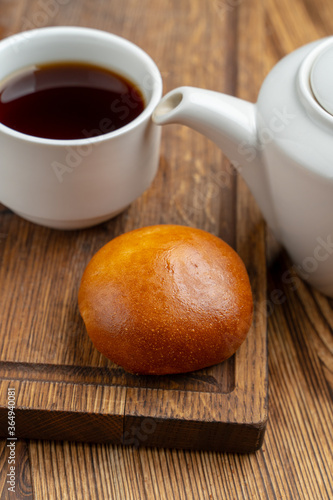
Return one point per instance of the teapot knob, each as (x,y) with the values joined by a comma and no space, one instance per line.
(315,83)
(321,79)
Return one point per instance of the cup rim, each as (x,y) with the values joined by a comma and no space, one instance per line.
(156,92)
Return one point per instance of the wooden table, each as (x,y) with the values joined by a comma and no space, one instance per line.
(225,45)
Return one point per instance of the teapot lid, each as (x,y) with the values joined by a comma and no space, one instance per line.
(321,79)
(315,82)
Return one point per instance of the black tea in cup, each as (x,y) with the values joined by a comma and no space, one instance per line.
(68,100)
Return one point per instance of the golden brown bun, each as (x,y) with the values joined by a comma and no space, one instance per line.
(166,299)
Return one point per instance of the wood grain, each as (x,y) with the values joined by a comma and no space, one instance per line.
(296,459)
(65,388)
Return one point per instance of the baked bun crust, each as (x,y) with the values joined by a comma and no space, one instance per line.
(166,299)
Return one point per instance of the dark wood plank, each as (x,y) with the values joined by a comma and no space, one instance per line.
(48,353)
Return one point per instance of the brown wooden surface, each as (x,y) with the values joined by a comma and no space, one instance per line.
(65,389)
(228,46)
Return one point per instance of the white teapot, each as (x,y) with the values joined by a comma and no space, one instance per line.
(283,147)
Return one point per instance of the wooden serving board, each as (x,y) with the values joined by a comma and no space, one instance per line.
(64,388)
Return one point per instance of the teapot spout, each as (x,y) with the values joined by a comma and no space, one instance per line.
(230,123)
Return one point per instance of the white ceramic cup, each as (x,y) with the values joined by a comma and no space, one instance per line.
(71,184)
